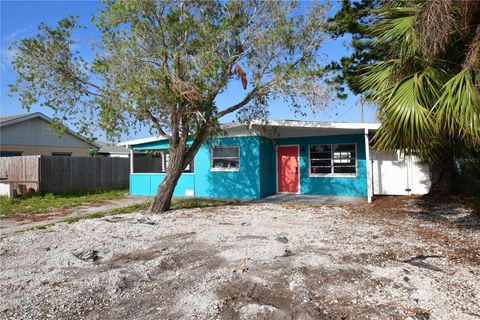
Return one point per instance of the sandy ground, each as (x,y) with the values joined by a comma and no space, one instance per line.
(397,258)
(22,221)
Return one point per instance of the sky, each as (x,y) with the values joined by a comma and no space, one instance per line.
(20,19)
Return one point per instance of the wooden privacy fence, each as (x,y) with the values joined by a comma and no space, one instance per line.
(64,174)
(19,174)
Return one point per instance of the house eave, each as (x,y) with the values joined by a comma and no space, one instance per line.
(254,128)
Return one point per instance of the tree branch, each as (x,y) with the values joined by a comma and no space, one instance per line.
(156,122)
(249,97)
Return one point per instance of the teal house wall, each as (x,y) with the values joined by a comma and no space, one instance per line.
(268,180)
(242,184)
(257,175)
(335,186)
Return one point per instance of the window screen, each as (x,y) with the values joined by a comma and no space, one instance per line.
(333,159)
(225,158)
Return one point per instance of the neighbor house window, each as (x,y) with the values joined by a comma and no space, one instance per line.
(225,158)
(10,153)
(61,154)
(333,160)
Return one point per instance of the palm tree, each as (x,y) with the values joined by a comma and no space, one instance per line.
(427,91)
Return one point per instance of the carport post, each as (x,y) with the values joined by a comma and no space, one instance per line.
(131,161)
(367,164)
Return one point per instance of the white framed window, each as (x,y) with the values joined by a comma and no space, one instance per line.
(225,158)
(333,160)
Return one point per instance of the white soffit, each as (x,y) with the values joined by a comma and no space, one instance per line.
(281,129)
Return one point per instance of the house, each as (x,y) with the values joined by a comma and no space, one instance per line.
(300,157)
(109,150)
(30,134)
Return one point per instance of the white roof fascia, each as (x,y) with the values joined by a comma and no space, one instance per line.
(140,141)
(318,124)
(274,123)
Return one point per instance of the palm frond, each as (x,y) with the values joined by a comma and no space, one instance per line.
(458,109)
(377,76)
(396,27)
(404,106)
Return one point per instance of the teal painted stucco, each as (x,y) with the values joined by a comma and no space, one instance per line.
(146,184)
(256,177)
(337,186)
(162,144)
(242,184)
(267,167)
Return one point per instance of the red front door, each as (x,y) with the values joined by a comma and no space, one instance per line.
(287,169)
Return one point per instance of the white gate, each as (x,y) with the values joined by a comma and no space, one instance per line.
(396,174)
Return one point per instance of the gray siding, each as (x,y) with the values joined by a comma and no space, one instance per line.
(35,132)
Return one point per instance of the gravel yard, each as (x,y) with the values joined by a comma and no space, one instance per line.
(394,259)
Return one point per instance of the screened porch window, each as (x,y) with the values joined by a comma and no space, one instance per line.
(155,161)
(225,158)
(333,160)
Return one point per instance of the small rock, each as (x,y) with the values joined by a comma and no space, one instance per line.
(282,239)
(87,255)
(287,253)
(422,316)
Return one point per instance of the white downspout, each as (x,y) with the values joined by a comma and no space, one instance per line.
(367,163)
(164,161)
(131,161)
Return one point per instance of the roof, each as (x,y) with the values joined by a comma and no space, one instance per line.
(7,121)
(285,124)
(106,147)
(307,124)
(140,141)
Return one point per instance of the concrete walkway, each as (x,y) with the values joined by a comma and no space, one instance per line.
(22,221)
(315,199)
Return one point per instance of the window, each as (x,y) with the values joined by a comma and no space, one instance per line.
(225,158)
(10,153)
(155,161)
(61,154)
(333,160)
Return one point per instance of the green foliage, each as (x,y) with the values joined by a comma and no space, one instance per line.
(426,103)
(37,203)
(161,64)
(189,203)
(457,109)
(354,19)
(176,204)
(94,215)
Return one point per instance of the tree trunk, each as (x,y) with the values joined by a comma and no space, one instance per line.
(163,198)
(443,177)
(179,158)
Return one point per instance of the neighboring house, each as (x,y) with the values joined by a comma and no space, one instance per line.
(29,134)
(300,157)
(113,151)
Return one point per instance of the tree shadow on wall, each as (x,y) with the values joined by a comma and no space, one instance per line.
(242,184)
